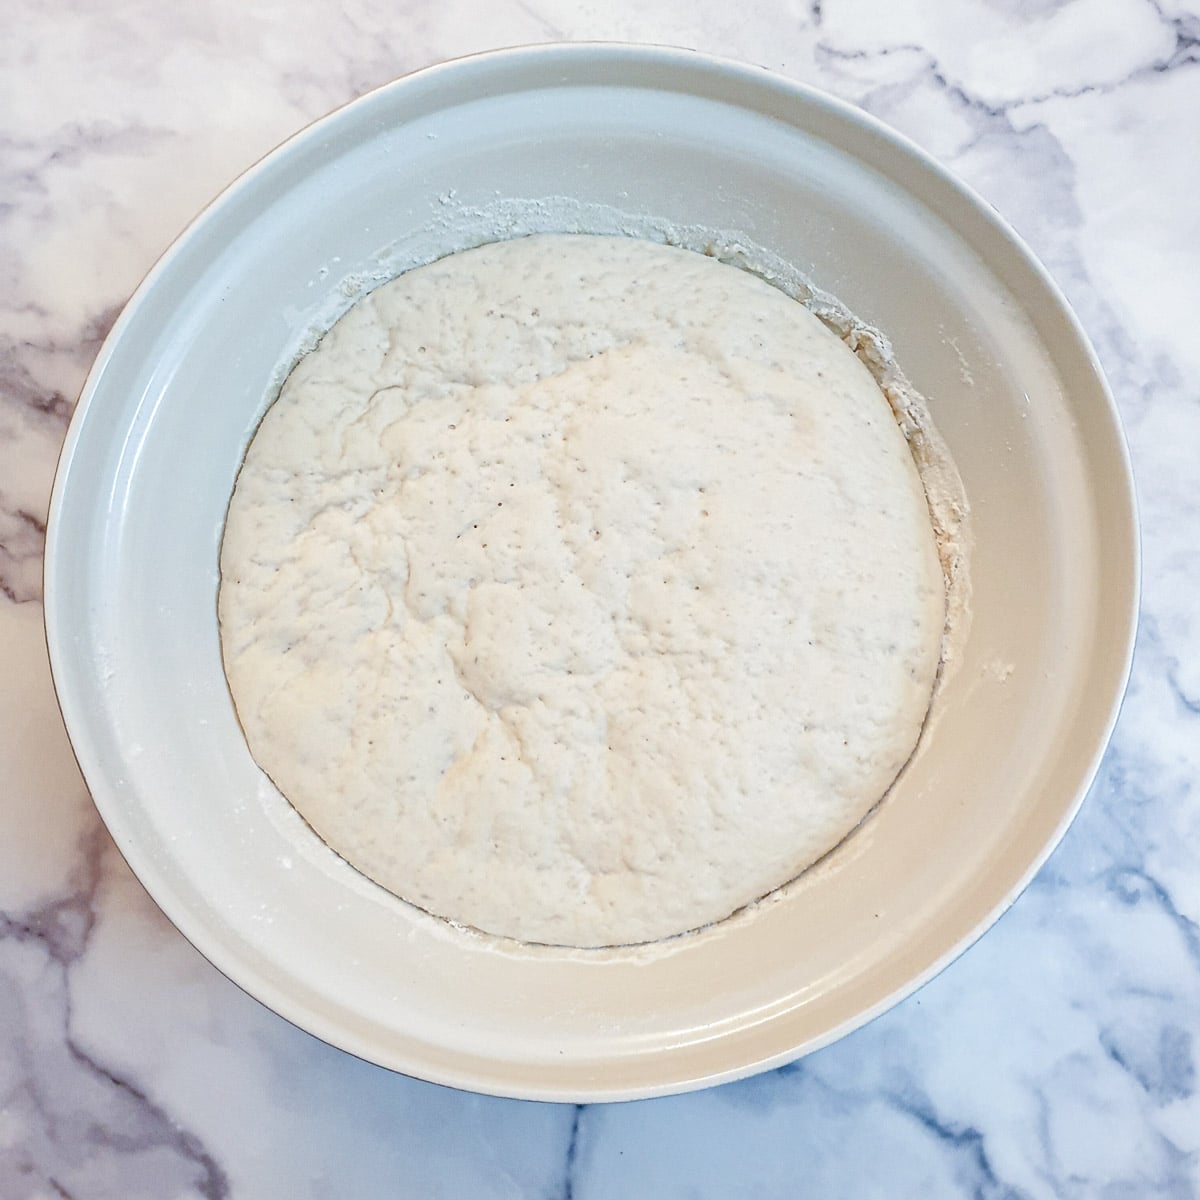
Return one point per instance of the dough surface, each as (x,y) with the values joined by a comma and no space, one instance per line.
(580,589)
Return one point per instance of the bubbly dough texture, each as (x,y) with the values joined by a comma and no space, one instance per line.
(580,589)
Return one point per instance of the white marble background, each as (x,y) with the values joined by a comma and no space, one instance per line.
(1056,1059)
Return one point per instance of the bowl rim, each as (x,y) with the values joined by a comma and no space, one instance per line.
(567,55)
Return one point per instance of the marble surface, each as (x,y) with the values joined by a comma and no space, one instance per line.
(1057,1058)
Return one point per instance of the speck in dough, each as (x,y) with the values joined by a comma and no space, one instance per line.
(580,589)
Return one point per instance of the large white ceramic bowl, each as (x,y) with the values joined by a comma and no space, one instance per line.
(452,155)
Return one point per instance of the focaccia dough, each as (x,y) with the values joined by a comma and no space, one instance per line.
(580,589)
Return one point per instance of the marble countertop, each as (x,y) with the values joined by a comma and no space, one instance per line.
(1057,1058)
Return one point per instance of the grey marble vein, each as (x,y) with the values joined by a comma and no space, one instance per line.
(569,1164)
(82,1119)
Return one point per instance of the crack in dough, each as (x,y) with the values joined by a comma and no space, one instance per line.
(580,589)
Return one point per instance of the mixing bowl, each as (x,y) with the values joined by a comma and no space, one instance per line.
(599,138)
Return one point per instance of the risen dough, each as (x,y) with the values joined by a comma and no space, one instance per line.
(580,589)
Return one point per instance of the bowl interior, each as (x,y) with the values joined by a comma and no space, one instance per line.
(600,139)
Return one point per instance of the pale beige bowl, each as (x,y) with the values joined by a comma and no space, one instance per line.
(418,168)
